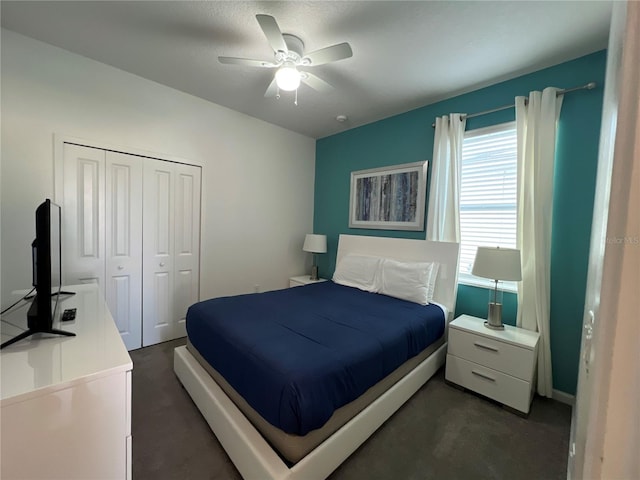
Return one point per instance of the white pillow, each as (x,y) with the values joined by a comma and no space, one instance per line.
(408,281)
(431,284)
(358,271)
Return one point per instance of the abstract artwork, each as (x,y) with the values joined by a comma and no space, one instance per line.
(390,198)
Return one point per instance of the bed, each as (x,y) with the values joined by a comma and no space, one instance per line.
(265,440)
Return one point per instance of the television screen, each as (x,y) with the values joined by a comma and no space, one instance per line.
(45,248)
(46,251)
(55,248)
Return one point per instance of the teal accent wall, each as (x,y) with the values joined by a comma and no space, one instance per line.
(474,301)
(408,137)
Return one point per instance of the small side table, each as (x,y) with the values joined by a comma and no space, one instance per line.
(303,280)
(499,364)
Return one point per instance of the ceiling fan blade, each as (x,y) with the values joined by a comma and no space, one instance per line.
(328,54)
(246,61)
(272,32)
(315,82)
(272,89)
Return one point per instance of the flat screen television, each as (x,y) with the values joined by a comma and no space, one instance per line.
(46,263)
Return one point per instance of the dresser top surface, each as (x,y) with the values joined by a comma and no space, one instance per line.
(45,362)
(513,335)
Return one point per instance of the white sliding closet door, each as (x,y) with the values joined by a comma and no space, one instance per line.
(102,231)
(83,240)
(131,224)
(171,224)
(187,243)
(158,304)
(123,222)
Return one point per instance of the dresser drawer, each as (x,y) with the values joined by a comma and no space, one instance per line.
(506,389)
(506,358)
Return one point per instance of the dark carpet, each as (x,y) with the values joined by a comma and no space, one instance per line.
(440,433)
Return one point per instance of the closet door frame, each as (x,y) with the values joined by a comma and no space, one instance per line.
(59,140)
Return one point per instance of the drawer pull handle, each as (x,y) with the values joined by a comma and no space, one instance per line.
(486,347)
(483,375)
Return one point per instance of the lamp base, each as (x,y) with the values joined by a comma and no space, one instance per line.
(314,273)
(494,320)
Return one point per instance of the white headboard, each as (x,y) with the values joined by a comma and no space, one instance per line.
(410,250)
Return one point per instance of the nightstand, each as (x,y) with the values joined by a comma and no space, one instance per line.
(303,280)
(499,364)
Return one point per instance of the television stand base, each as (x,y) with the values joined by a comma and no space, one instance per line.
(54,294)
(30,332)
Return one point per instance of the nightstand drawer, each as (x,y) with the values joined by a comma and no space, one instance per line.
(506,389)
(510,359)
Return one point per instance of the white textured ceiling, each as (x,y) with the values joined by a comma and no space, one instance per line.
(405,54)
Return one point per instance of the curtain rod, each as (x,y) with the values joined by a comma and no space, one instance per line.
(588,86)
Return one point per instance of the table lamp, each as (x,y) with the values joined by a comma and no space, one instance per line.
(497,264)
(315,244)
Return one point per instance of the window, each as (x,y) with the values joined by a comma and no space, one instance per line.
(488,195)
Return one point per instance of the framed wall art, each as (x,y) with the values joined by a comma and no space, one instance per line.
(389,198)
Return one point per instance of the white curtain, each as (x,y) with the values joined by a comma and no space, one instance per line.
(443,215)
(536,122)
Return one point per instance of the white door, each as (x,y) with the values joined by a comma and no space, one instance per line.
(171,224)
(157,270)
(123,222)
(131,224)
(605,434)
(102,230)
(83,214)
(187,243)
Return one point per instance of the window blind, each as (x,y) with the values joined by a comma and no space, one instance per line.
(488,191)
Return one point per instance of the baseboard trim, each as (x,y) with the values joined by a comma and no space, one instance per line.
(564,397)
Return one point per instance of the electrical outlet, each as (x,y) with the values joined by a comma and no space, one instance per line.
(256,288)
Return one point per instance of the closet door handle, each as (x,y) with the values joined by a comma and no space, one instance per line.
(162,264)
(483,375)
(486,347)
(120,267)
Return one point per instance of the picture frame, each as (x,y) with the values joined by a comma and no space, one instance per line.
(389,198)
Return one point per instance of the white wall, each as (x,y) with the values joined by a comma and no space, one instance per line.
(257,181)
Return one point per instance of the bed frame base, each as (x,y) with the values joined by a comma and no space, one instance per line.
(254,457)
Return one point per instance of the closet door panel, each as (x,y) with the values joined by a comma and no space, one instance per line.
(83,215)
(124,245)
(163,300)
(187,243)
(158,244)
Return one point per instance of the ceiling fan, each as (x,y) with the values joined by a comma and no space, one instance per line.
(289,56)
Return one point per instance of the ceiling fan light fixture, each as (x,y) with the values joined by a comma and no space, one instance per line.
(288,78)
(289,54)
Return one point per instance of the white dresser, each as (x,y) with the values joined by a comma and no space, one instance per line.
(499,364)
(66,401)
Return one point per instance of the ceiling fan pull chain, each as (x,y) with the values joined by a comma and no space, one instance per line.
(277,93)
(295,102)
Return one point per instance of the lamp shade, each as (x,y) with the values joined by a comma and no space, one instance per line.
(288,78)
(315,243)
(497,263)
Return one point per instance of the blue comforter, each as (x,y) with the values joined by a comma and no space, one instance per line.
(298,354)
